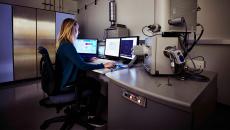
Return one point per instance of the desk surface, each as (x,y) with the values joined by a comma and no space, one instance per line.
(180,94)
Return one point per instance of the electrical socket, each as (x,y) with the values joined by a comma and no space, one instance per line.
(198,63)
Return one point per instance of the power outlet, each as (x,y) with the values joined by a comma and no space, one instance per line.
(198,63)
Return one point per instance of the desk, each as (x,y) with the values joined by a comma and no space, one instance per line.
(184,105)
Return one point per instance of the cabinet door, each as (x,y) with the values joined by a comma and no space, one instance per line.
(46,34)
(24,32)
(6,56)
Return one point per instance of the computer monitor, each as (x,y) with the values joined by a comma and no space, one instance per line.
(127,44)
(112,47)
(86,47)
(101,51)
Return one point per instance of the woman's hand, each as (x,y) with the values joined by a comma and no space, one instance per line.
(93,58)
(109,65)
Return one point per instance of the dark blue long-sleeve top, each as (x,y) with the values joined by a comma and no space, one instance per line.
(68,64)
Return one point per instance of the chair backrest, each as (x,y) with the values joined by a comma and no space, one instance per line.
(47,72)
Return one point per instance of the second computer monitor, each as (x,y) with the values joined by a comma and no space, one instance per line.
(127,44)
(112,47)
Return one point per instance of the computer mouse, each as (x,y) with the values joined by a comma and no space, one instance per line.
(115,66)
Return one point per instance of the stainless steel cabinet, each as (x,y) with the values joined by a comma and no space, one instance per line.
(46,34)
(22,31)
(6,56)
(24,35)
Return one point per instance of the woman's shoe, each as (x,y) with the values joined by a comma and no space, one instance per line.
(96,122)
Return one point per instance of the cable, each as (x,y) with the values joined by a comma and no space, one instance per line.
(202,31)
(195,77)
(185,42)
(151,29)
(186,33)
(196,40)
(192,61)
(144,32)
(181,44)
(196,70)
(188,72)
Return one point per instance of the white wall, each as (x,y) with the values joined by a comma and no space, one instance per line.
(94,19)
(69,6)
(137,13)
(217,58)
(215,16)
(131,13)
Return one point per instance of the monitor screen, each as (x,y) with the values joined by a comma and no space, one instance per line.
(86,46)
(127,44)
(101,50)
(112,47)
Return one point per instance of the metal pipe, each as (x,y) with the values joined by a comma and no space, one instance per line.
(112,13)
(162,13)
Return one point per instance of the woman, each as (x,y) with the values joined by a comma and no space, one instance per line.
(69,65)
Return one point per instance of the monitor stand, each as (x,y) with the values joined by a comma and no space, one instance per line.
(101,56)
(125,61)
(112,58)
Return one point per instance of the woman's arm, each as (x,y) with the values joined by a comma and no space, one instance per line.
(71,53)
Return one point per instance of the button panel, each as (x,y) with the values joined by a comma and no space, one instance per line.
(139,100)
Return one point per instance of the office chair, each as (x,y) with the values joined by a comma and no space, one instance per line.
(70,102)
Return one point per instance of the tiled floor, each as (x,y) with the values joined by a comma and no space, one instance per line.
(20,110)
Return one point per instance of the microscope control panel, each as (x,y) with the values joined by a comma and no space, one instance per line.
(139,100)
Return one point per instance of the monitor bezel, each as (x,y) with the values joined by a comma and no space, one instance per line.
(125,58)
(109,56)
(88,55)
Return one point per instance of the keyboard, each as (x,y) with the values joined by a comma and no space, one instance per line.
(118,66)
(99,61)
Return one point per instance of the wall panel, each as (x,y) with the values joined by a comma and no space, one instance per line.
(6,56)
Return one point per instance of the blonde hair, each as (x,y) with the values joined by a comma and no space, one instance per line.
(68,30)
